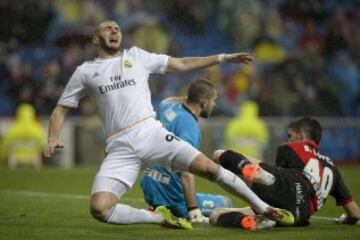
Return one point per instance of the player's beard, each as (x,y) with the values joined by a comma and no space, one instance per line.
(106,48)
(205,113)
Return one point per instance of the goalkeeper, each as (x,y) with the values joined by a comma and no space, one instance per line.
(180,115)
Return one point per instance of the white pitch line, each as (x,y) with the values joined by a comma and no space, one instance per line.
(323,218)
(59,195)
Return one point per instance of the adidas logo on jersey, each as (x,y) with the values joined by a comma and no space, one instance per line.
(96,75)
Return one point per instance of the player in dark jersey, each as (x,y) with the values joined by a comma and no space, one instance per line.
(304,179)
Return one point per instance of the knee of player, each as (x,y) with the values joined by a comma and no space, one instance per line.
(216,155)
(98,212)
(99,209)
(98,215)
(211,170)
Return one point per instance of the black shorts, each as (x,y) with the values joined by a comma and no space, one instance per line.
(290,191)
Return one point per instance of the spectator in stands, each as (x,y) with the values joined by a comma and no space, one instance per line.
(191,14)
(274,27)
(241,19)
(345,71)
(149,34)
(337,33)
(266,49)
(310,38)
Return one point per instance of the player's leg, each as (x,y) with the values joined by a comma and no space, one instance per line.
(204,167)
(293,193)
(239,218)
(245,166)
(167,150)
(104,204)
(116,176)
(217,153)
(218,211)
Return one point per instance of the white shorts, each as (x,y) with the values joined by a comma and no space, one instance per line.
(144,145)
(106,184)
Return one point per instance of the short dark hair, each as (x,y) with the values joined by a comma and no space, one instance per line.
(293,126)
(200,89)
(311,127)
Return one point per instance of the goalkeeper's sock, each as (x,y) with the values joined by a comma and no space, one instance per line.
(237,186)
(124,214)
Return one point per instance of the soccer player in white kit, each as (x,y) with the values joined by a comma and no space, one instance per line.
(118,82)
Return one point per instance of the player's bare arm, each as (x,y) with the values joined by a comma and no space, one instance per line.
(191,63)
(188,183)
(188,186)
(56,121)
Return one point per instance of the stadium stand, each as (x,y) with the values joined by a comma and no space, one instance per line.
(307,55)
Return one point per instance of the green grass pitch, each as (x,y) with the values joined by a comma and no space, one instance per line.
(53,204)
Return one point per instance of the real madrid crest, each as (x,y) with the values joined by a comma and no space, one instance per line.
(127,64)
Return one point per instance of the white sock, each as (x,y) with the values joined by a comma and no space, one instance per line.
(124,214)
(237,186)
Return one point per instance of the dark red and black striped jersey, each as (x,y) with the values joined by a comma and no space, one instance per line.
(317,168)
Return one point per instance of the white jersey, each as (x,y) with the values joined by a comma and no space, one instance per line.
(119,86)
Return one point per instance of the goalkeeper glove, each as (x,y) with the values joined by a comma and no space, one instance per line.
(195,215)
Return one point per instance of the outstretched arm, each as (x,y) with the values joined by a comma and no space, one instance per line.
(56,122)
(191,63)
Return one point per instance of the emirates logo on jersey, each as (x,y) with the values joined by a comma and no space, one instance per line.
(127,64)
(116,85)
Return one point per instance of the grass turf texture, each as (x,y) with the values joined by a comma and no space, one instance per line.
(53,204)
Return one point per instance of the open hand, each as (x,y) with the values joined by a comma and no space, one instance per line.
(241,57)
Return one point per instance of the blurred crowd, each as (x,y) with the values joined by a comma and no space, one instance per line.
(307,54)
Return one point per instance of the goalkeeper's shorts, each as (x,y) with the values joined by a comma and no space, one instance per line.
(208,202)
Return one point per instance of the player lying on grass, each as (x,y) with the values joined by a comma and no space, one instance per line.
(180,115)
(118,82)
(304,179)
